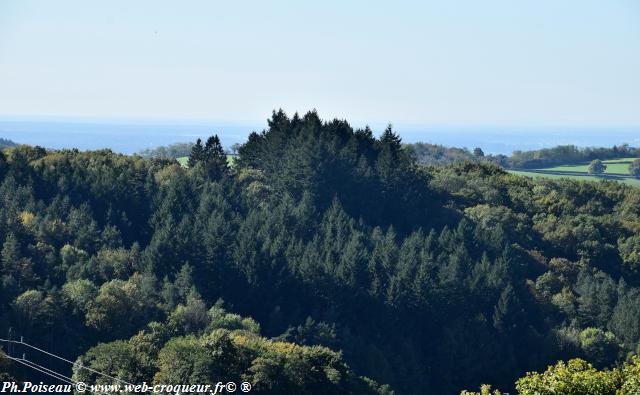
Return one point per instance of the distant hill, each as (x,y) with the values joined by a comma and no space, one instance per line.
(435,154)
(5,143)
(172,151)
(439,155)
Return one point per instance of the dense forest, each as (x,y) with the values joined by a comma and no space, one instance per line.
(324,261)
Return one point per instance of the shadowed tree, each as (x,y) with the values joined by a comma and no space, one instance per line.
(634,168)
(215,158)
(197,153)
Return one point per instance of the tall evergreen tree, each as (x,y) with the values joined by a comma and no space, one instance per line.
(197,154)
(391,139)
(506,311)
(3,165)
(10,253)
(215,158)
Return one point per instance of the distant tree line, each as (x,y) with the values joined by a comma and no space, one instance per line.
(171,151)
(5,143)
(439,155)
(178,150)
(432,154)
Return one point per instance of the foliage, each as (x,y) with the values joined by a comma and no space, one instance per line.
(235,355)
(485,389)
(600,347)
(577,377)
(630,251)
(596,167)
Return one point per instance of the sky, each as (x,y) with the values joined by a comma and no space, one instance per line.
(465,62)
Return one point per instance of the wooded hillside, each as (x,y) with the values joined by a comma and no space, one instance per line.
(350,259)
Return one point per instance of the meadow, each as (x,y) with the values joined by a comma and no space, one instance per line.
(617,170)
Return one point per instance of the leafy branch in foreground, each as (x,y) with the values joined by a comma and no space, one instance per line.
(576,377)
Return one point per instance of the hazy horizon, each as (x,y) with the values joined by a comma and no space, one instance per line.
(497,75)
(130,135)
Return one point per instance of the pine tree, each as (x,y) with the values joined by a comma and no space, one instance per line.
(215,158)
(10,253)
(388,168)
(382,260)
(505,312)
(625,321)
(197,153)
(391,139)
(184,282)
(3,165)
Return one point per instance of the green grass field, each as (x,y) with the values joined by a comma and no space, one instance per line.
(614,166)
(617,170)
(231,159)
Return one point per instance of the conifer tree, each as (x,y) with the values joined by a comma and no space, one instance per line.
(390,139)
(505,311)
(10,253)
(3,165)
(197,153)
(215,158)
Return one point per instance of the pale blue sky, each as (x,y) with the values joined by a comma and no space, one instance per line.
(488,62)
